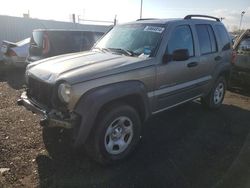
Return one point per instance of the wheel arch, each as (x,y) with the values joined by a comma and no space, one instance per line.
(132,93)
(223,70)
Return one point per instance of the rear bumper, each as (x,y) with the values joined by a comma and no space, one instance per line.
(50,118)
(18,62)
(31,59)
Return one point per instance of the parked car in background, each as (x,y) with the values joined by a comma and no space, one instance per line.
(15,54)
(233,36)
(241,65)
(47,43)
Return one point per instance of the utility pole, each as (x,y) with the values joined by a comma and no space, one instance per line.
(74,18)
(241,17)
(115,20)
(141,9)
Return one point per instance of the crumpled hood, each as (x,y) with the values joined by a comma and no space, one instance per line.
(81,66)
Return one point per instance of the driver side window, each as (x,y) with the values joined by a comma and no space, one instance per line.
(181,38)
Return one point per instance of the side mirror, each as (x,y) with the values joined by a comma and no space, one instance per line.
(180,55)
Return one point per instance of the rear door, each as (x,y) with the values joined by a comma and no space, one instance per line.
(208,52)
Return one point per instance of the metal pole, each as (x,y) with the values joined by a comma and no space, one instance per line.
(78,16)
(115,20)
(241,17)
(74,18)
(141,9)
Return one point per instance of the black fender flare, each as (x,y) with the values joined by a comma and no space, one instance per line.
(223,68)
(220,69)
(92,101)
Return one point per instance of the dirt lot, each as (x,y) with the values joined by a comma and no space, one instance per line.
(185,147)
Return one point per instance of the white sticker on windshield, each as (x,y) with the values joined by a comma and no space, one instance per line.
(154,29)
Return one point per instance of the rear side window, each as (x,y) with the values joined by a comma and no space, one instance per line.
(181,38)
(60,42)
(70,41)
(206,38)
(223,37)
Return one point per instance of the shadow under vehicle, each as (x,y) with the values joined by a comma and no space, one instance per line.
(202,149)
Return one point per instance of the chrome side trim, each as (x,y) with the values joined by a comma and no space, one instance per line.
(169,89)
(167,108)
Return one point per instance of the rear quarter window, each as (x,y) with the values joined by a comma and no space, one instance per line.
(223,37)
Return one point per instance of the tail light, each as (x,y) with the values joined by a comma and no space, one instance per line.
(46,44)
(11,53)
(234,55)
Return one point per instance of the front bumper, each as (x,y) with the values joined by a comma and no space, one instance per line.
(31,106)
(50,118)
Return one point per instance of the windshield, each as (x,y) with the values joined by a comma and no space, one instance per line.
(133,39)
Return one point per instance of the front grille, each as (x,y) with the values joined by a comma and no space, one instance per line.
(40,91)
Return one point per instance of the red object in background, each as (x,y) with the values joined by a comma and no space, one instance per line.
(46,45)
(11,53)
(234,54)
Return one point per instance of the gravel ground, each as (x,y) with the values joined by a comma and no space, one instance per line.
(190,147)
(20,138)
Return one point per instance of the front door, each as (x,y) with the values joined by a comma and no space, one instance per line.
(177,81)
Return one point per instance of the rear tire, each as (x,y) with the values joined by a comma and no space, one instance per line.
(115,135)
(216,96)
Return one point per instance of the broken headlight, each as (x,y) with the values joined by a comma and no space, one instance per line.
(64,92)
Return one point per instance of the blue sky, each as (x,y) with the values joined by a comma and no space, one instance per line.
(228,9)
(129,10)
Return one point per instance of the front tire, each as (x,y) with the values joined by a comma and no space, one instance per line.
(216,96)
(115,134)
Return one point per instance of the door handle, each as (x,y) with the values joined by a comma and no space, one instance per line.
(217,58)
(192,64)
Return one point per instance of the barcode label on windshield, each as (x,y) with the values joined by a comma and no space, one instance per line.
(154,29)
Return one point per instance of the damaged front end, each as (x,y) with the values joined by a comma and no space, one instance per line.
(50,118)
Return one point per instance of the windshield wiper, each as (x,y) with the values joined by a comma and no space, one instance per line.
(124,51)
(102,49)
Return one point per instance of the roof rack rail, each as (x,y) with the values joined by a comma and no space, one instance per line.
(141,19)
(200,16)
